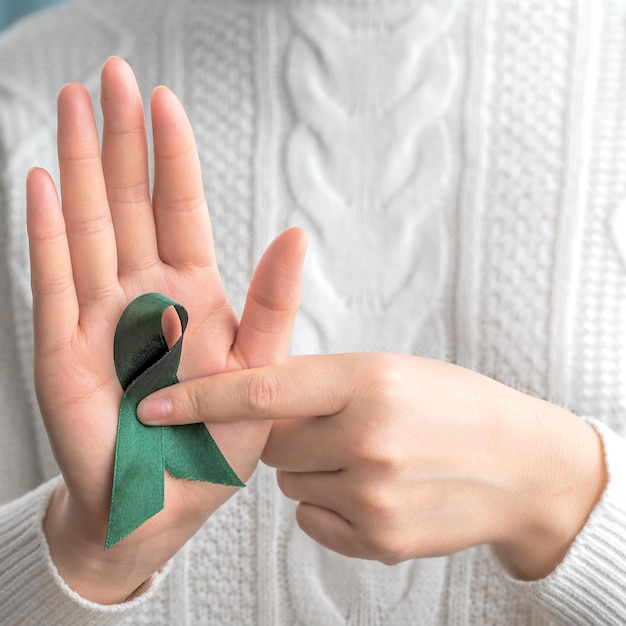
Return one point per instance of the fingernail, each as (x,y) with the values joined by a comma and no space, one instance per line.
(154,410)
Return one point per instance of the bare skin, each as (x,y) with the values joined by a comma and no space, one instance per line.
(394,457)
(109,241)
(391,457)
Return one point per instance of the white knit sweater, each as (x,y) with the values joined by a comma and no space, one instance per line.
(461,172)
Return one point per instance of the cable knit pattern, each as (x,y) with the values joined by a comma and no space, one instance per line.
(458,167)
(355,77)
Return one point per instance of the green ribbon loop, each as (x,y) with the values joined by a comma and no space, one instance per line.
(144,363)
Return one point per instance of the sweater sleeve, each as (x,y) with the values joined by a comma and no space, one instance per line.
(589,586)
(31,590)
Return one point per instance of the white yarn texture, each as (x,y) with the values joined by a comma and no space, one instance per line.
(460,173)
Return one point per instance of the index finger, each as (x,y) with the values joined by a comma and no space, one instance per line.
(303,387)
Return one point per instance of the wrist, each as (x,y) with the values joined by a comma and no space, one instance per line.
(561,476)
(110,577)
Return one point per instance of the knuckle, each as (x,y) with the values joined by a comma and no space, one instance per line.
(48,234)
(97,293)
(59,285)
(180,154)
(382,519)
(385,546)
(390,454)
(382,382)
(382,442)
(380,448)
(82,152)
(129,193)
(387,377)
(184,204)
(377,501)
(389,549)
(270,453)
(392,560)
(93,225)
(285,484)
(262,394)
(190,405)
(123,132)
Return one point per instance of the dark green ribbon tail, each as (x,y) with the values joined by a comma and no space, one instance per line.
(144,364)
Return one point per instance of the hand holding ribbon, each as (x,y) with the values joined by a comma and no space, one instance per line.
(144,363)
(113,237)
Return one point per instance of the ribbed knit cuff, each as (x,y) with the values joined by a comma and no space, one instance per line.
(589,586)
(31,589)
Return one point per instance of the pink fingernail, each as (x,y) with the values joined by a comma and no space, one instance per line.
(154,410)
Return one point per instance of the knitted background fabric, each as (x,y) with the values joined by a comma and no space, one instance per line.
(457,169)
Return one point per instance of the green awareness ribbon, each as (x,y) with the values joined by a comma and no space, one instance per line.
(144,364)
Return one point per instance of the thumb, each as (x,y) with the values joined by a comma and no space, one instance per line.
(272,302)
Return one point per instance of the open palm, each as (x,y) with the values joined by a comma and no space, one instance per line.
(111,241)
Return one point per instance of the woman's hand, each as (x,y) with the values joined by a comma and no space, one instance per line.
(112,241)
(395,457)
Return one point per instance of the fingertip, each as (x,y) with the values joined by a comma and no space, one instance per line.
(273,299)
(160,88)
(36,174)
(75,118)
(161,92)
(164,108)
(301,243)
(297,241)
(154,411)
(299,235)
(70,91)
(107,65)
(40,190)
(115,68)
(289,249)
(164,103)
(113,61)
(295,237)
(120,99)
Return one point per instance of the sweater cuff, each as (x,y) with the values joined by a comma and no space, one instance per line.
(589,586)
(31,589)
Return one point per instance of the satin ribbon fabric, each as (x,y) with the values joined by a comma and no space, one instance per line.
(144,363)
